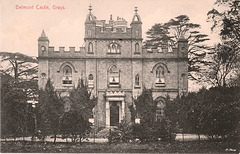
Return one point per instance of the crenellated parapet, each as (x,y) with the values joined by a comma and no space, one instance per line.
(165,52)
(62,52)
(109,33)
(113,29)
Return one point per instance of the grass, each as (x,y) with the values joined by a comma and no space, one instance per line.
(162,147)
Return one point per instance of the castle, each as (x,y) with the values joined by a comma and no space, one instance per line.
(115,67)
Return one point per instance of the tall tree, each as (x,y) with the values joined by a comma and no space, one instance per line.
(151,126)
(50,109)
(19,65)
(225,62)
(82,100)
(23,69)
(167,34)
(146,107)
(213,112)
(82,104)
(21,86)
(226,20)
(16,114)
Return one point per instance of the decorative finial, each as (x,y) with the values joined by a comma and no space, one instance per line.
(136,9)
(43,34)
(90,8)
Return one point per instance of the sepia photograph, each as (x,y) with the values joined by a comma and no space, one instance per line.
(120,76)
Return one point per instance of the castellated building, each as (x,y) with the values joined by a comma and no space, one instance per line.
(115,67)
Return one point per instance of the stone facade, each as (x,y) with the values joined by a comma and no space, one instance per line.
(115,67)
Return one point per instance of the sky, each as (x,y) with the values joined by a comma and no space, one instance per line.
(20,28)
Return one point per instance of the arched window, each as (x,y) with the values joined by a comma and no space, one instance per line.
(90,47)
(43,75)
(67,75)
(114,69)
(90,77)
(67,71)
(136,48)
(160,109)
(90,81)
(137,80)
(113,76)
(160,74)
(160,71)
(113,48)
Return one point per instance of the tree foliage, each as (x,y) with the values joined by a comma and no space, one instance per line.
(225,63)
(226,57)
(19,65)
(150,128)
(146,107)
(82,100)
(50,109)
(18,87)
(75,122)
(74,125)
(213,112)
(168,34)
(16,113)
(226,18)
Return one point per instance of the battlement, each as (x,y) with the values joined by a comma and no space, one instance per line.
(120,22)
(61,52)
(113,33)
(113,29)
(164,52)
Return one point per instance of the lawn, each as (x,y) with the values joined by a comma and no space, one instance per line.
(174,147)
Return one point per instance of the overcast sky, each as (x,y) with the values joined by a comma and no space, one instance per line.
(20,28)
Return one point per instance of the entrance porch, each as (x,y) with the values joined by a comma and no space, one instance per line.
(115,107)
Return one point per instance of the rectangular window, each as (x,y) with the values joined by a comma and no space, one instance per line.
(137,83)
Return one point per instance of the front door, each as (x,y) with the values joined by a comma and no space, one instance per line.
(114,114)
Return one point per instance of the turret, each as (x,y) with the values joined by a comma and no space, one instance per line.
(43,72)
(90,24)
(43,44)
(136,25)
(182,44)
